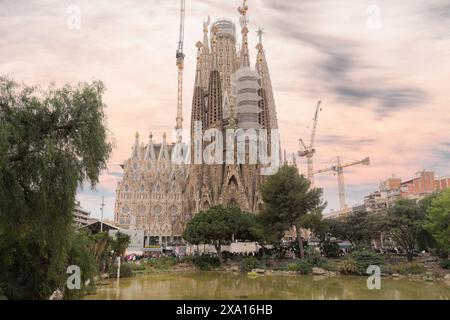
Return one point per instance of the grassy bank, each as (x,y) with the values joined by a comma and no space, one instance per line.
(422,268)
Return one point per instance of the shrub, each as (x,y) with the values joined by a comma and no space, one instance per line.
(407,268)
(347,266)
(388,269)
(137,267)
(126,270)
(330,265)
(330,249)
(280,267)
(365,258)
(248,264)
(205,263)
(302,266)
(445,264)
(162,263)
(226,255)
(314,257)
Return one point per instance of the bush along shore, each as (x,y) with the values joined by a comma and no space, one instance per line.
(424,267)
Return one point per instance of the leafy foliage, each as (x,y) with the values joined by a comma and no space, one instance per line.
(348,266)
(445,264)
(120,244)
(287,198)
(249,263)
(219,225)
(102,243)
(404,222)
(330,249)
(81,254)
(365,258)
(314,257)
(51,142)
(204,263)
(438,221)
(301,266)
(126,270)
(405,268)
(162,263)
(355,228)
(315,223)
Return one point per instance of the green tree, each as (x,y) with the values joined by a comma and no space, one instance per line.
(80,253)
(218,225)
(120,244)
(316,224)
(438,222)
(51,142)
(404,223)
(287,198)
(354,228)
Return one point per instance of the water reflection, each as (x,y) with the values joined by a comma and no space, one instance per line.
(212,285)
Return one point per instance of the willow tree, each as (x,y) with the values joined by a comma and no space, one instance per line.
(51,141)
(288,197)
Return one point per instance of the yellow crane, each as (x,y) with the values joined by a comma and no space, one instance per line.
(339,169)
(309,151)
(180,64)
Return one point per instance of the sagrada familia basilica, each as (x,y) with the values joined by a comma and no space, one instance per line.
(159,196)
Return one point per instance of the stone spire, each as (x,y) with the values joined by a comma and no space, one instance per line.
(150,153)
(198,71)
(215,54)
(244,57)
(198,100)
(214,112)
(206,55)
(136,148)
(269,115)
(164,152)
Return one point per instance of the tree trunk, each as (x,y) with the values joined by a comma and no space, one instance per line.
(300,242)
(409,255)
(219,252)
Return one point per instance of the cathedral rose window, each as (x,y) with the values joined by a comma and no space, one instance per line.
(173,210)
(141,209)
(157,209)
(125,209)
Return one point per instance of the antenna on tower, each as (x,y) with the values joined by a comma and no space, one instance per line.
(180,64)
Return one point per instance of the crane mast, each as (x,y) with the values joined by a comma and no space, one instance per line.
(309,151)
(180,64)
(341,186)
(339,170)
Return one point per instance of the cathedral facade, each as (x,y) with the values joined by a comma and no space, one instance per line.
(158,195)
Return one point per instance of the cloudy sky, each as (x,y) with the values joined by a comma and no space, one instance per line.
(381,68)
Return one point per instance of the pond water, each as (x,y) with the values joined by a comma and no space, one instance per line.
(214,285)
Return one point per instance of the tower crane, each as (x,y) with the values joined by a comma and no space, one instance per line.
(339,169)
(309,151)
(180,64)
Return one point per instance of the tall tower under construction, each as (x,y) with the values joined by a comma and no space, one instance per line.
(158,196)
(229,94)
